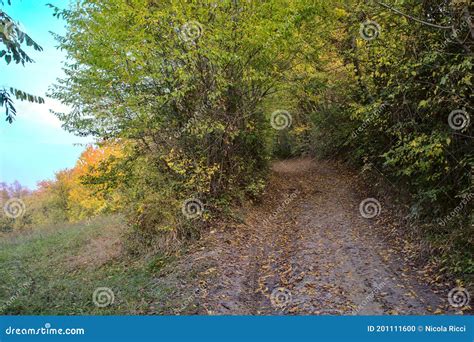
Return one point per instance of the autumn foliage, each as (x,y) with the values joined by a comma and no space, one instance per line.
(71,196)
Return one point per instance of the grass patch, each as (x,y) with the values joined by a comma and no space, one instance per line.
(55,270)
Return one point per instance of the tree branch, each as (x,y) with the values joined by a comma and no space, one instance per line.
(411,17)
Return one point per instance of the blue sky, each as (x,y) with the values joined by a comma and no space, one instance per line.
(35,146)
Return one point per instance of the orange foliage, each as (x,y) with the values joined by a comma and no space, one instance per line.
(69,197)
(87,199)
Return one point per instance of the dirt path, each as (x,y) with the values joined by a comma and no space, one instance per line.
(306,249)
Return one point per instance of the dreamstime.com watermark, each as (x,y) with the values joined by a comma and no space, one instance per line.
(199,292)
(8,29)
(281,207)
(281,119)
(370,297)
(18,293)
(191,31)
(46,330)
(459,297)
(103,297)
(192,208)
(459,120)
(370,208)
(454,35)
(369,30)
(372,116)
(281,298)
(444,221)
(194,121)
(14,208)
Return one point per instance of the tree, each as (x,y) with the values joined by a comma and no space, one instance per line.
(186,84)
(12,41)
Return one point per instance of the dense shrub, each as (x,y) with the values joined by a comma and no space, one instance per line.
(393,112)
(186,84)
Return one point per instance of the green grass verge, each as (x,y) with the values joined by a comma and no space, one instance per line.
(42,273)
